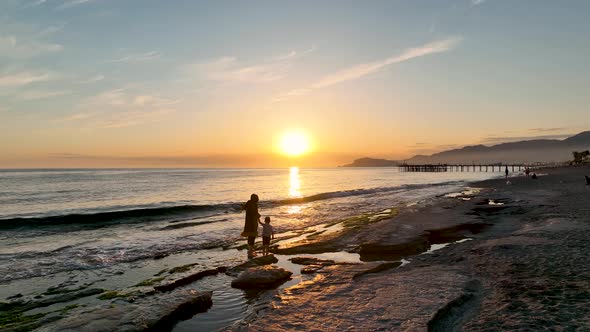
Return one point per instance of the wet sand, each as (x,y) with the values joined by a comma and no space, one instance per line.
(516,259)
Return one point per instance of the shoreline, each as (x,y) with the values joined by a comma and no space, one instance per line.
(513,273)
(412,243)
(71,296)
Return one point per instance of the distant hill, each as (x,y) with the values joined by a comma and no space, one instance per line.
(371,162)
(531,151)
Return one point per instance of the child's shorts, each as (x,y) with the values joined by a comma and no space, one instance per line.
(266,240)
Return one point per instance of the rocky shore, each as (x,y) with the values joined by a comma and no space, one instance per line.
(510,257)
(498,256)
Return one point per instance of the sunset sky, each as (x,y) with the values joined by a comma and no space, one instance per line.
(146,83)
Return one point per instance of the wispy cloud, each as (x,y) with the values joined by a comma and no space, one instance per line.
(418,145)
(16,47)
(73,3)
(92,79)
(34,3)
(122,108)
(124,98)
(547,130)
(508,139)
(365,69)
(24,78)
(138,57)
(361,70)
(42,94)
(477,2)
(294,54)
(118,119)
(132,118)
(51,30)
(229,69)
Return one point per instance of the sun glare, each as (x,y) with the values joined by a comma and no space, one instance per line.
(294,144)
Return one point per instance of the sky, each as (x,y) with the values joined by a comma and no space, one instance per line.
(147,83)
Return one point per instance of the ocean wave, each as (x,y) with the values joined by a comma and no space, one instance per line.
(356,192)
(120,216)
(186,212)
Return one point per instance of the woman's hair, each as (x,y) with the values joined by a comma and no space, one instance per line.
(267,219)
(254,198)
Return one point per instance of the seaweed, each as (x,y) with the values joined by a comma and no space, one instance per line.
(150,282)
(362,220)
(16,321)
(61,290)
(182,268)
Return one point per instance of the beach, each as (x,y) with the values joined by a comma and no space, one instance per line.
(483,255)
(524,267)
(82,246)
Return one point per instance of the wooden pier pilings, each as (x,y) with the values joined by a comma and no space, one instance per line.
(460,168)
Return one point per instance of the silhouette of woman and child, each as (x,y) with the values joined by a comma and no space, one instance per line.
(251,227)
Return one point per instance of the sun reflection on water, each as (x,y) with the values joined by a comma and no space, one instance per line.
(294,182)
(294,186)
(294,209)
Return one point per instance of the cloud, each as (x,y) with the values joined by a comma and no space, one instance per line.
(67,155)
(294,54)
(418,145)
(35,3)
(125,99)
(198,160)
(139,57)
(361,70)
(42,94)
(229,69)
(132,118)
(122,108)
(73,3)
(358,71)
(507,139)
(13,47)
(51,30)
(546,130)
(24,78)
(93,79)
(477,2)
(80,116)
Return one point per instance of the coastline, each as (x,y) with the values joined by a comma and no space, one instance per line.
(426,264)
(525,265)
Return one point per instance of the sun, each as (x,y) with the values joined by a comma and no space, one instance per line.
(294,144)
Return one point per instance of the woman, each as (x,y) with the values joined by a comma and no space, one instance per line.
(251,223)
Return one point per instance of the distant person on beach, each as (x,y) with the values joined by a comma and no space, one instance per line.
(534,177)
(527,171)
(251,223)
(267,234)
(506,171)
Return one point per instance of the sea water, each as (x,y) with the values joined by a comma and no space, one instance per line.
(112,226)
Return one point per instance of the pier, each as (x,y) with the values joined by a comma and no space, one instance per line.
(460,167)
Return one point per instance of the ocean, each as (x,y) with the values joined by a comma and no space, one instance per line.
(113,227)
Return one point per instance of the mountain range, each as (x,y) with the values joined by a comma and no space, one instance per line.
(529,151)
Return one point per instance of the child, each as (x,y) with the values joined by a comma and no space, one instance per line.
(267,234)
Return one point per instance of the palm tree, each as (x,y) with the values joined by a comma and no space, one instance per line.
(580,157)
